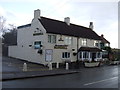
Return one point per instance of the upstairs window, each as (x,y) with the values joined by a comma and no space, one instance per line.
(68,40)
(107,44)
(52,38)
(102,45)
(96,43)
(84,42)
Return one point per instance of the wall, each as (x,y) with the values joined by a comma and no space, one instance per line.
(26,38)
(25,53)
(57,53)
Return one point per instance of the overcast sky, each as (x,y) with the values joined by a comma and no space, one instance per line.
(103,13)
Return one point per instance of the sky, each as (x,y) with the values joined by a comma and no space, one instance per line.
(103,14)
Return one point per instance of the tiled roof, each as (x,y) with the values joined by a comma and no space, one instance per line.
(60,27)
(104,40)
(23,26)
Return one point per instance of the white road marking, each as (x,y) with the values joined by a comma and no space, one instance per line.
(100,81)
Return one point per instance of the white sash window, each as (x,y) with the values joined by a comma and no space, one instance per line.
(52,38)
(65,55)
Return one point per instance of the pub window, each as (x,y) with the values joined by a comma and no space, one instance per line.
(66,55)
(96,43)
(80,54)
(107,44)
(86,55)
(98,55)
(84,42)
(52,38)
(37,44)
(68,40)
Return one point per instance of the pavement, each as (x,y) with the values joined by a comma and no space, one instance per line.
(13,69)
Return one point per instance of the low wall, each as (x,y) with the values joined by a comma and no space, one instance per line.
(16,52)
(25,53)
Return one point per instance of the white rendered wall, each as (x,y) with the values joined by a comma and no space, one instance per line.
(25,38)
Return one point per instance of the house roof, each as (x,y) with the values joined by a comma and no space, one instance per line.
(23,26)
(104,40)
(90,49)
(60,27)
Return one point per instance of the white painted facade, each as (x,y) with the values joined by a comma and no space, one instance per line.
(25,48)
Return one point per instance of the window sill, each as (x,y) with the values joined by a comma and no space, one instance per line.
(65,58)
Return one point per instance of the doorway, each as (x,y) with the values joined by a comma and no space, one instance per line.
(93,56)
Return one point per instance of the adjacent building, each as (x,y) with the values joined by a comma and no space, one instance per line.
(47,40)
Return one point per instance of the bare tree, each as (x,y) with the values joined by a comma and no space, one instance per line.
(10,36)
(2,24)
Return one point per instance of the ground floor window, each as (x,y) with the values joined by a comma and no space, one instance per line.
(66,55)
(80,54)
(89,55)
(84,55)
(37,44)
(98,55)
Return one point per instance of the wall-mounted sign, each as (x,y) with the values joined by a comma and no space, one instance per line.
(37,32)
(60,46)
(34,34)
(48,55)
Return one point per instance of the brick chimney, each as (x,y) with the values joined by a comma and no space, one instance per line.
(91,25)
(67,20)
(37,14)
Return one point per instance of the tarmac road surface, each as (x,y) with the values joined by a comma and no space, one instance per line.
(99,77)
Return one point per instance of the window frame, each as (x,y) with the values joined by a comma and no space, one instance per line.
(84,42)
(85,55)
(39,43)
(98,55)
(68,40)
(52,39)
(96,43)
(68,55)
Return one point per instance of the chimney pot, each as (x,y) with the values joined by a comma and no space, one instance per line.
(67,20)
(91,25)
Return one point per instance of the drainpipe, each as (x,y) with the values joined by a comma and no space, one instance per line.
(77,46)
(77,62)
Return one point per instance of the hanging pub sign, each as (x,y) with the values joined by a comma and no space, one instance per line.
(60,46)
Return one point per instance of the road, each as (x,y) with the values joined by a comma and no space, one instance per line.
(99,77)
